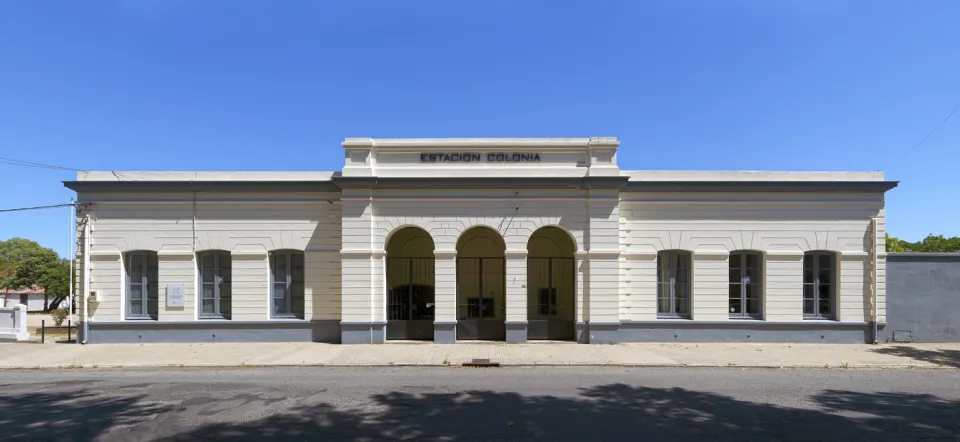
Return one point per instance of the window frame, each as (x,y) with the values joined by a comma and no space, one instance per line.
(743,256)
(290,282)
(674,257)
(217,283)
(816,283)
(148,286)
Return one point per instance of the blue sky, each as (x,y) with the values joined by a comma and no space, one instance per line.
(244,85)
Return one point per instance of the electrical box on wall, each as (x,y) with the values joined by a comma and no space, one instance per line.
(93,296)
(175,295)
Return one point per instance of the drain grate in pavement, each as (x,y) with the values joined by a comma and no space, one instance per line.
(481,363)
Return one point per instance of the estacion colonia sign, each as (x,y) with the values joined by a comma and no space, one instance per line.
(472,157)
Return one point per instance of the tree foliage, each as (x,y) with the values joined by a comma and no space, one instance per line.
(930,244)
(24,263)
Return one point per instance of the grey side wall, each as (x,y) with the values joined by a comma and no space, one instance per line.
(923,297)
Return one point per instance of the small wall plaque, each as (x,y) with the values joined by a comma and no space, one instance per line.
(175,295)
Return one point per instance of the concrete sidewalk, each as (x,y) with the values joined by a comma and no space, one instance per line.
(20,355)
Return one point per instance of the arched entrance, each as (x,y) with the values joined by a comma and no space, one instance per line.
(410,285)
(481,285)
(551,285)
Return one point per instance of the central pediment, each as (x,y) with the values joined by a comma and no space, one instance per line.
(480,157)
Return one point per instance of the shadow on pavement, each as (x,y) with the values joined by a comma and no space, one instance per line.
(608,412)
(944,357)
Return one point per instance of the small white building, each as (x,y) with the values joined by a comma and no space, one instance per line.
(491,239)
(32,297)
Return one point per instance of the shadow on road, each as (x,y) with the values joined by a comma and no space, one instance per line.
(69,415)
(945,357)
(608,412)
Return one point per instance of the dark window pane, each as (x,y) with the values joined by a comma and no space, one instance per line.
(663,298)
(207,261)
(808,261)
(683,262)
(735,261)
(753,260)
(753,299)
(753,306)
(298,276)
(753,275)
(683,306)
(734,275)
(297,260)
(825,299)
(280,268)
(824,260)
(808,299)
(735,300)
(825,306)
(826,276)
(136,267)
(225,307)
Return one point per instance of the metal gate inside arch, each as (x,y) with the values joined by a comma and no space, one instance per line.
(551,307)
(410,298)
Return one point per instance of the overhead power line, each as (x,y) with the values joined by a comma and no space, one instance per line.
(944,120)
(52,206)
(15,162)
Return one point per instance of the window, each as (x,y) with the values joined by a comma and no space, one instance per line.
(746,289)
(673,284)
(818,285)
(286,290)
(215,287)
(142,289)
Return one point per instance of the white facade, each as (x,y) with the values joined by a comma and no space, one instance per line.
(615,222)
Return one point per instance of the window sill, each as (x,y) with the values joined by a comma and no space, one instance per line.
(213,319)
(141,319)
(674,318)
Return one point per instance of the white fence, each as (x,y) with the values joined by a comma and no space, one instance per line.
(13,323)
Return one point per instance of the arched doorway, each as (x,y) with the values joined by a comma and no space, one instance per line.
(551,285)
(410,285)
(481,285)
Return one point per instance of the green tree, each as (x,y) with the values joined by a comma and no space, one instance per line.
(894,244)
(24,263)
(931,244)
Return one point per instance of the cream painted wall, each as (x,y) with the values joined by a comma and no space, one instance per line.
(783,225)
(248,225)
(616,238)
(371,216)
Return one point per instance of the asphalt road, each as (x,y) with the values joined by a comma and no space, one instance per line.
(459,404)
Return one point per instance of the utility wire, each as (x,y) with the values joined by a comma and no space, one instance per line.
(14,162)
(20,209)
(944,120)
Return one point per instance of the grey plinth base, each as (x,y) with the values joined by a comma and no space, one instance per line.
(445,332)
(604,332)
(211,331)
(362,332)
(583,333)
(516,332)
(747,331)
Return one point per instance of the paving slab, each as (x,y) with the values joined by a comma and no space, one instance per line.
(20,355)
